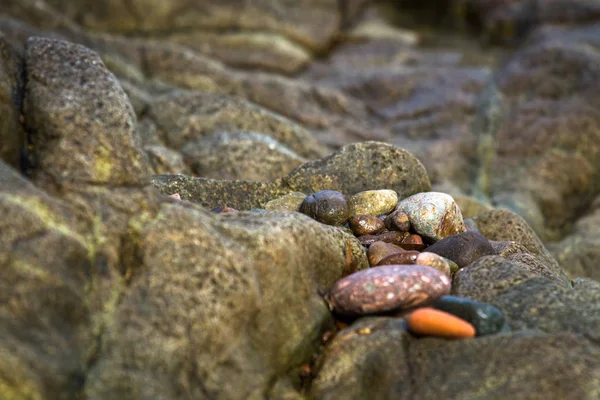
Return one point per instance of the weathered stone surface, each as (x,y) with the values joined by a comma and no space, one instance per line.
(166,161)
(362,166)
(240,155)
(289,202)
(211,193)
(12,135)
(541,171)
(505,225)
(312,24)
(45,319)
(433,215)
(221,300)
(579,252)
(186,116)
(82,124)
(377,358)
(352,169)
(529,300)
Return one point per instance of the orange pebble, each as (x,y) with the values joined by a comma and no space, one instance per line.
(431,322)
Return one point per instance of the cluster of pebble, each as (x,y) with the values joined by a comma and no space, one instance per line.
(416,244)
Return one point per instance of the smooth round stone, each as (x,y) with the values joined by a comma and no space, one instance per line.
(327,206)
(379,250)
(289,202)
(463,248)
(433,260)
(373,202)
(452,264)
(388,237)
(486,318)
(433,215)
(406,257)
(428,321)
(397,221)
(387,288)
(365,225)
(412,242)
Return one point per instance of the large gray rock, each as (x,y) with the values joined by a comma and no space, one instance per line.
(505,225)
(184,117)
(352,169)
(240,155)
(12,135)
(216,297)
(376,358)
(45,321)
(529,300)
(82,124)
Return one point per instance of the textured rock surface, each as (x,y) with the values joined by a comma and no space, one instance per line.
(12,136)
(82,124)
(240,155)
(111,289)
(388,363)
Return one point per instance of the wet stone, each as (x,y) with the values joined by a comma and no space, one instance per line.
(326,206)
(388,237)
(452,264)
(413,242)
(463,248)
(404,258)
(435,261)
(365,225)
(379,250)
(486,318)
(433,215)
(428,321)
(397,221)
(373,202)
(387,288)
(289,202)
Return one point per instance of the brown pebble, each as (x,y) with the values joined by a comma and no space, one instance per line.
(397,221)
(434,261)
(406,257)
(387,288)
(379,250)
(365,225)
(388,237)
(413,242)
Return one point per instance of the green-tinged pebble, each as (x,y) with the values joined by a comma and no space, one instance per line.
(486,318)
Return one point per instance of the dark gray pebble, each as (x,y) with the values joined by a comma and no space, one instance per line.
(486,318)
(327,206)
(463,248)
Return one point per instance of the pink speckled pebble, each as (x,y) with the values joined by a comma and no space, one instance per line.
(387,288)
